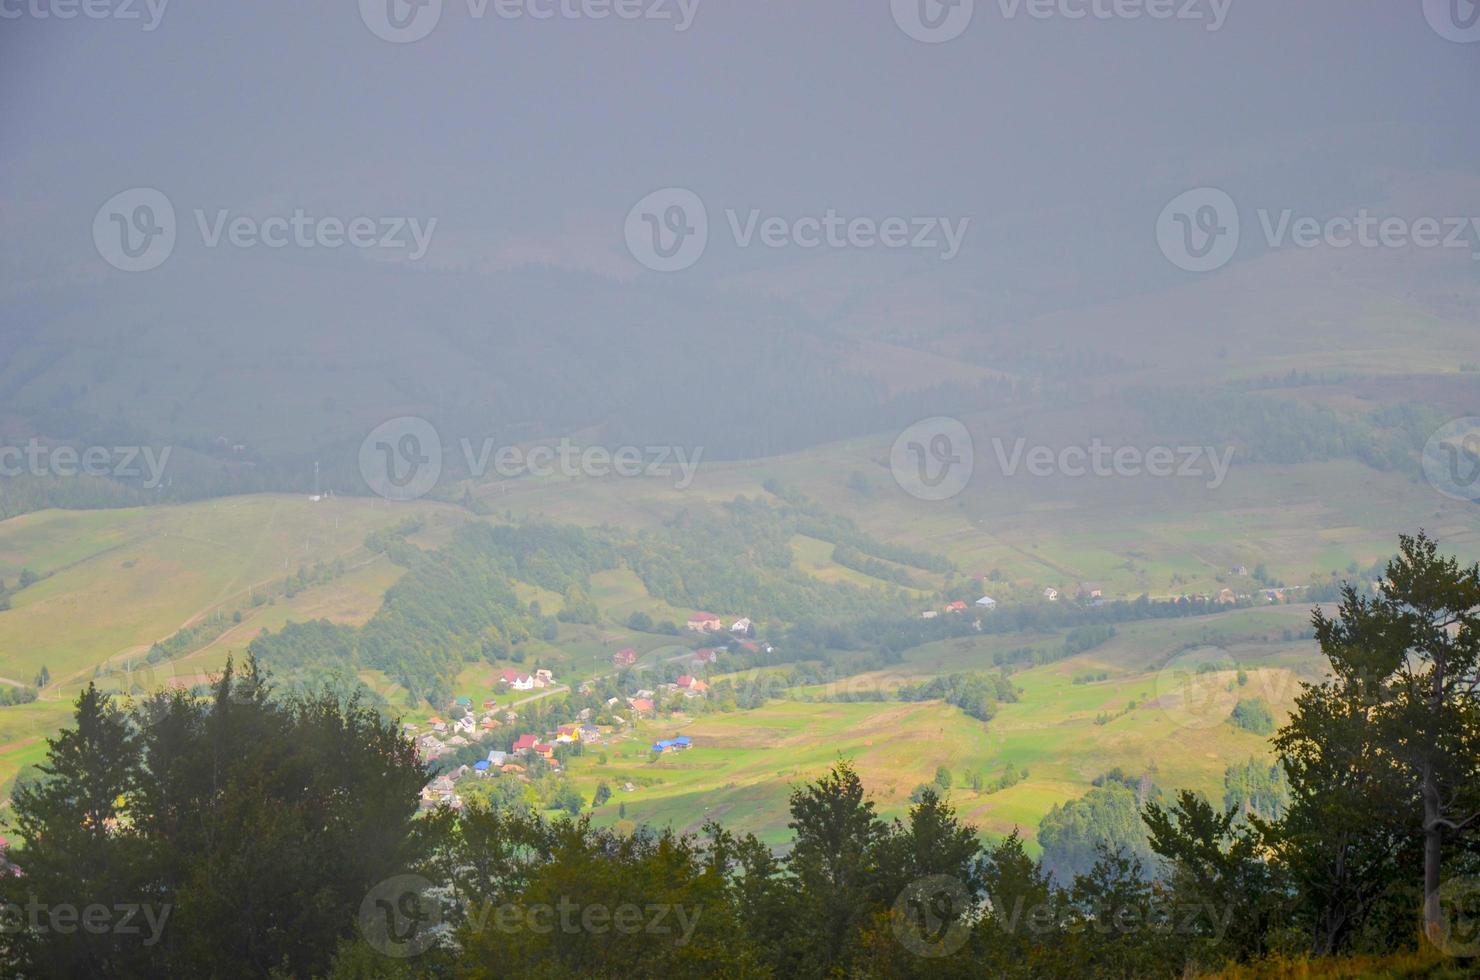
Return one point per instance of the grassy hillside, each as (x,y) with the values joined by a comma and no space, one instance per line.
(115,582)
(743,763)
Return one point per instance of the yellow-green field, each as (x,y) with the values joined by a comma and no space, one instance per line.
(115,582)
(743,763)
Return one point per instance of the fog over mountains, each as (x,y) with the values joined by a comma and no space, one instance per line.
(498,160)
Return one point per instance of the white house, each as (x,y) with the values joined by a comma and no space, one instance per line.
(497,758)
(516,680)
(929,614)
(987,602)
(741,625)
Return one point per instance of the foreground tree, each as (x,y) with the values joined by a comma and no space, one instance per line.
(1413,653)
(246,829)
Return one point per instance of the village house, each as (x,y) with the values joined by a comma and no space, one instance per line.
(489,704)
(524,743)
(516,680)
(624,657)
(543,677)
(458,742)
(740,626)
(692,685)
(671,744)
(929,614)
(643,706)
(987,602)
(589,734)
(1090,590)
(703,622)
(429,747)
(497,758)
(438,791)
(957,606)
(1051,594)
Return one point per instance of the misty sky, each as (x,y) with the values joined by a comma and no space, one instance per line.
(528,142)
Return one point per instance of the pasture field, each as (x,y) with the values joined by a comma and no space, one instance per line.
(743,763)
(117,581)
(1131,535)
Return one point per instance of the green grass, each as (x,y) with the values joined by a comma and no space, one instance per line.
(743,763)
